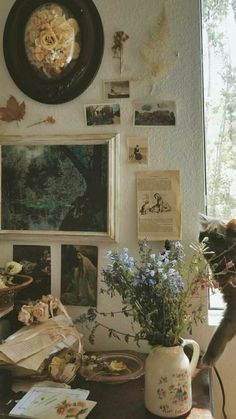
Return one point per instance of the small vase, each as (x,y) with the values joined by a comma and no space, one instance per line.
(168,372)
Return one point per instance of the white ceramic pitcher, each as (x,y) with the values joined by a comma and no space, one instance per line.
(168,372)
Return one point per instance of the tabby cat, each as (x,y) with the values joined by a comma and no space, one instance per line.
(220,239)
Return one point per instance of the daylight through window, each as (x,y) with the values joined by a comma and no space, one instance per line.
(219,64)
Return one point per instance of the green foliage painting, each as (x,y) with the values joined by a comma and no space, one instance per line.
(55,187)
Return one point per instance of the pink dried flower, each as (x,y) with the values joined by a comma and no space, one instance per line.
(40,311)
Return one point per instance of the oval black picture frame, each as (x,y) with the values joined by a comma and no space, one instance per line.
(74,80)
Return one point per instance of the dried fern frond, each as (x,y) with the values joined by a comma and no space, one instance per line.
(156,53)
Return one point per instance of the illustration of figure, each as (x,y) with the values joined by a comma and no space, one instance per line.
(137,153)
(79,278)
(161,205)
(86,279)
(144,208)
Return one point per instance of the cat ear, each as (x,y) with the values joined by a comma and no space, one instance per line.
(205,220)
(211,224)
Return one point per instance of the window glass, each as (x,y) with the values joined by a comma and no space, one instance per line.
(219,65)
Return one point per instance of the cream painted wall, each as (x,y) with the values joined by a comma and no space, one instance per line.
(179,147)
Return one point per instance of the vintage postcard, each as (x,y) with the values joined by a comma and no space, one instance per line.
(116,89)
(102,114)
(154,113)
(138,150)
(158,205)
(79,269)
(36,261)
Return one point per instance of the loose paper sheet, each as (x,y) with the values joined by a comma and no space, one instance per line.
(31,345)
(158,205)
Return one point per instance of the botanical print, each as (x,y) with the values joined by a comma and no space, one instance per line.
(36,261)
(138,150)
(54,403)
(119,39)
(55,187)
(79,275)
(52,39)
(116,89)
(154,113)
(102,114)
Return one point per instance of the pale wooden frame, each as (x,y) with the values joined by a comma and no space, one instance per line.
(113,141)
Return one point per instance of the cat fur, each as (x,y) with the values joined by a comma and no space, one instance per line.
(220,238)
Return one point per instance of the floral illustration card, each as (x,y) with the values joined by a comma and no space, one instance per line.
(42,402)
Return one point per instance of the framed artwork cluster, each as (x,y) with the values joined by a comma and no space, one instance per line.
(63,189)
(66,188)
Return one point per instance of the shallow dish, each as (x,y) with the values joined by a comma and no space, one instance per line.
(113,367)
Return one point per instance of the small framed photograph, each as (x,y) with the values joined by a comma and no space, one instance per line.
(102,114)
(116,89)
(79,269)
(138,150)
(154,113)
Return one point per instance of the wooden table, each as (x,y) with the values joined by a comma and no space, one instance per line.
(126,401)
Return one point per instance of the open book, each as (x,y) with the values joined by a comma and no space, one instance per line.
(53,403)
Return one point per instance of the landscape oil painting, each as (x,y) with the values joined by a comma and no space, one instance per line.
(58,187)
(79,275)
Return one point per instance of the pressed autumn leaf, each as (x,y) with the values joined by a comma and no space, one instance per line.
(14,111)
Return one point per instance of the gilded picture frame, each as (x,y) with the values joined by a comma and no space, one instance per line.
(61,185)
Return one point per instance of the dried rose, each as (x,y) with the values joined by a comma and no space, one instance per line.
(40,311)
(13,268)
(25,315)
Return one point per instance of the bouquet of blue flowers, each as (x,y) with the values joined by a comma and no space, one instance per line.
(158,291)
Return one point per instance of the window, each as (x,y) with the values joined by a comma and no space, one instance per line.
(219,65)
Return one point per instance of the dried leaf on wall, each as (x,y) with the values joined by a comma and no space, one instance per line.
(119,39)
(13,111)
(48,120)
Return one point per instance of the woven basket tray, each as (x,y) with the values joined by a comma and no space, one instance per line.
(7,294)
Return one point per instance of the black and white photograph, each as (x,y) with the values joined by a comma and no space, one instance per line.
(36,261)
(79,268)
(102,114)
(116,89)
(154,113)
(138,150)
